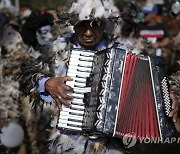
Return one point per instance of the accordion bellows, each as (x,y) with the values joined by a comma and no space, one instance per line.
(118,93)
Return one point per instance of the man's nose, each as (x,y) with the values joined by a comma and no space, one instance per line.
(88,32)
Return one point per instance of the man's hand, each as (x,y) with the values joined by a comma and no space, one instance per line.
(175,103)
(58,90)
(155,45)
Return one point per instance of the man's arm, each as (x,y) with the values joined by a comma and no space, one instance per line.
(161,44)
(175,104)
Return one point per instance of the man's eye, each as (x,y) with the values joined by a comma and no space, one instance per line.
(95,24)
(45,32)
(81,25)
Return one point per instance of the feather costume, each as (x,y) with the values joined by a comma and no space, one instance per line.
(53,63)
(13,56)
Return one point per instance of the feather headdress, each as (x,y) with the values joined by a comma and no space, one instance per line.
(89,10)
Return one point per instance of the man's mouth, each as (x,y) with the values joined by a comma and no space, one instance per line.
(88,40)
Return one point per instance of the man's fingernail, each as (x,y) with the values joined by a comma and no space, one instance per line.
(174,120)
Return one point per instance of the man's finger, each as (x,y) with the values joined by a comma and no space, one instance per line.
(66,97)
(173,88)
(175,117)
(64,102)
(173,112)
(62,91)
(173,95)
(67,78)
(174,100)
(64,79)
(66,88)
(58,103)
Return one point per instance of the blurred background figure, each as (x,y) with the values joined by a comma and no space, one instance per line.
(151,30)
(40,33)
(5,4)
(36,31)
(13,55)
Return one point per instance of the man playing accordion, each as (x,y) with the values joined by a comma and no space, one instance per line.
(48,79)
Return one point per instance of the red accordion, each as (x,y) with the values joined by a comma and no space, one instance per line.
(129,95)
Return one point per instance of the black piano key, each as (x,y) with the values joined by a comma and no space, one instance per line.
(75,108)
(75,120)
(86,66)
(80,76)
(86,60)
(73,125)
(78,114)
(79,81)
(76,103)
(81,70)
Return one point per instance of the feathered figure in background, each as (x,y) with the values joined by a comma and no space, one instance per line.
(33,23)
(13,57)
(48,51)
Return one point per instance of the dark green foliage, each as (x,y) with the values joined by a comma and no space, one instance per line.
(44,4)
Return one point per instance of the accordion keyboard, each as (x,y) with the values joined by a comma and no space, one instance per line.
(79,69)
(117,93)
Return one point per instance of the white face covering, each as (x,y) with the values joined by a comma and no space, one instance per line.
(44,35)
(5,4)
(175,7)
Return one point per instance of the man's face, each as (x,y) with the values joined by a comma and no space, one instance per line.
(89,33)
(150,17)
(44,35)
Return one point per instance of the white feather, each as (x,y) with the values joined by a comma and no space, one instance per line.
(76,7)
(100,11)
(58,44)
(86,10)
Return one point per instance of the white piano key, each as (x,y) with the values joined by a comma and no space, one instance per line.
(78,95)
(64,116)
(85,74)
(85,69)
(82,90)
(77,62)
(80,57)
(82,53)
(71,74)
(69,127)
(64,113)
(81,64)
(75,106)
(73,111)
(73,59)
(64,121)
(77,101)
(74,84)
(79,79)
